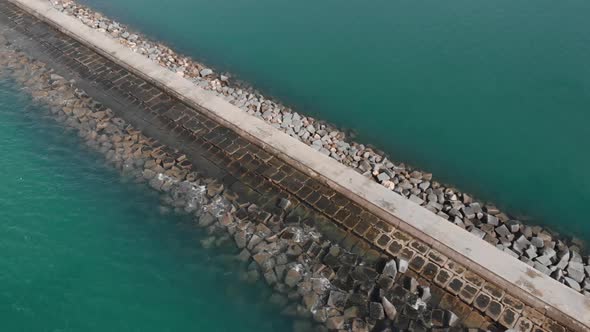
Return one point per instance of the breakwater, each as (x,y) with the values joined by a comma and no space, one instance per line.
(560,257)
(323,284)
(170,121)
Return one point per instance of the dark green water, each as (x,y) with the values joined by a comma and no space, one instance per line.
(492,96)
(82,251)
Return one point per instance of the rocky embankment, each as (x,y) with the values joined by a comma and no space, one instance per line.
(546,251)
(320,284)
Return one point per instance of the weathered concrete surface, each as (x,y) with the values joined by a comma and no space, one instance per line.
(537,290)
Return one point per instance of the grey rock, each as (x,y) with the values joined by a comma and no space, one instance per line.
(537,242)
(478,232)
(492,220)
(335,323)
(376,311)
(383,177)
(544,269)
(390,269)
(337,299)
(284,203)
(503,230)
(389,309)
(575,271)
(402,265)
(426,295)
(206,220)
(206,72)
(563,261)
(416,199)
(545,260)
(510,252)
(576,257)
(453,319)
(531,252)
(468,212)
(293,276)
(573,284)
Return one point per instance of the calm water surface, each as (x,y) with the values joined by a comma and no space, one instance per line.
(493,96)
(82,251)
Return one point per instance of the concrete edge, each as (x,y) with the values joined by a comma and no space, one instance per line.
(532,287)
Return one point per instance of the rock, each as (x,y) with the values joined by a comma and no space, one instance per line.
(383,177)
(542,268)
(206,72)
(214,189)
(478,232)
(337,299)
(537,242)
(376,311)
(503,231)
(390,269)
(545,260)
(425,294)
(293,276)
(416,199)
(284,203)
(576,257)
(244,256)
(575,271)
(453,319)
(573,284)
(148,174)
(388,308)
(359,325)
(563,261)
(206,220)
(402,265)
(226,220)
(492,220)
(241,239)
(254,241)
(335,323)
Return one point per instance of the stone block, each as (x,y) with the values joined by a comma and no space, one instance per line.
(430,270)
(553,326)
(494,291)
(523,325)
(474,321)
(383,241)
(455,285)
(455,267)
(482,301)
(494,310)
(417,263)
(407,253)
(513,303)
(437,257)
(443,277)
(508,318)
(473,278)
(468,293)
(395,248)
(419,247)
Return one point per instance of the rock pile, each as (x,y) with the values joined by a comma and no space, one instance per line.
(544,250)
(323,285)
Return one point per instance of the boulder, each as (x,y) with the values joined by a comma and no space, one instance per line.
(389,308)
(390,269)
(293,276)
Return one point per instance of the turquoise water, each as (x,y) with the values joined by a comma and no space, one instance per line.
(492,96)
(83,251)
